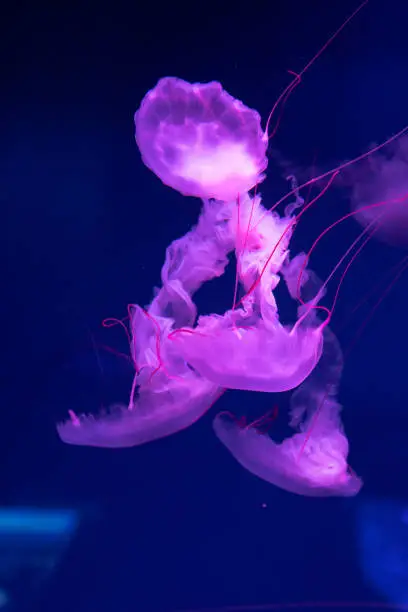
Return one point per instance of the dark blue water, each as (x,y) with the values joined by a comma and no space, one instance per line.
(178,524)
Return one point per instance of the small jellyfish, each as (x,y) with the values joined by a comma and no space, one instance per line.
(167,396)
(199,140)
(313,462)
(248,348)
(379,194)
(315,467)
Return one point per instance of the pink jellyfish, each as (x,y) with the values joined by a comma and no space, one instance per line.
(248,348)
(167,394)
(312,462)
(316,467)
(380,193)
(199,140)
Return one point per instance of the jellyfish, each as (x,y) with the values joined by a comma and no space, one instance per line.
(379,193)
(320,470)
(167,394)
(313,462)
(200,140)
(248,348)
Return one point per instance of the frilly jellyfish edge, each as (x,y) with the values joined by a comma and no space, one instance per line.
(199,140)
(153,416)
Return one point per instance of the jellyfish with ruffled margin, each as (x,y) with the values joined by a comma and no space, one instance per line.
(313,462)
(200,140)
(190,136)
(167,394)
(248,348)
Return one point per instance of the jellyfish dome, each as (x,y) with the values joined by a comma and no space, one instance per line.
(167,396)
(316,467)
(248,348)
(238,351)
(313,462)
(159,410)
(200,140)
(380,194)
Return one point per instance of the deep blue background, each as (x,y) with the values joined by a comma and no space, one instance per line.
(84,226)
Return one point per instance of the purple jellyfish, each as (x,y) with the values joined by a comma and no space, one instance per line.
(248,348)
(379,193)
(314,466)
(199,140)
(167,394)
(189,136)
(312,462)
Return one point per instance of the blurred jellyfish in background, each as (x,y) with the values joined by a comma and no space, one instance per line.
(382,532)
(379,193)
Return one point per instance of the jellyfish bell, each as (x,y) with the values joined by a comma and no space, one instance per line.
(200,140)
(248,355)
(163,407)
(313,461)
(314,466)
(167,395)
(248,348)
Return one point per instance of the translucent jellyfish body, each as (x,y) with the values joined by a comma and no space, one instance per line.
(240,352)
(316,467)
(248,348)
(380,194)
(199,140)
(167,397)
(161,408)
(313,461)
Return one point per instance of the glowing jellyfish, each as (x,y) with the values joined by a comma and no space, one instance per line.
(199,140)
(319,470)
(313,461)
(239,351)
(312,465)
(167,394)
(380,194)
(248,348)
(202,142)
